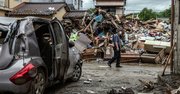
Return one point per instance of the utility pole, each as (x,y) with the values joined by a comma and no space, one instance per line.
(172,33)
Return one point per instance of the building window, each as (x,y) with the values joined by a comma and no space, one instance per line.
(18,0)
(111,10)
(2,3)
(75,2)
(81,3)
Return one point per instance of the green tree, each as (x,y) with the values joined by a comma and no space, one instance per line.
(164,14)
(147,14)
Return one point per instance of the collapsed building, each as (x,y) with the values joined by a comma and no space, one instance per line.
(142,41)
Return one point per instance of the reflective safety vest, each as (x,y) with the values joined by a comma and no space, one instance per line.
(74,37)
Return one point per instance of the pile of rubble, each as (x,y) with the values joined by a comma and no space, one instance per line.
(168,84)
(142,41)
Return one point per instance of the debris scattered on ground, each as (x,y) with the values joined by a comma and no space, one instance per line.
(90,92)
(168,84)
(176,91)
(142,41)
(93,32)
(127,77)
(121,91)
(147,84)
(76,93)
(88,81)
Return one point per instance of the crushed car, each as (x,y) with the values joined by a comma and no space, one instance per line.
(34,53)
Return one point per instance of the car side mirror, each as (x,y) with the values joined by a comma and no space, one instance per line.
(71,44)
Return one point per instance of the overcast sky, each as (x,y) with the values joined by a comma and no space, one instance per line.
(136,5)
(88,4)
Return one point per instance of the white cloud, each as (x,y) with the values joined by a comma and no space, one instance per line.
(156,5)
(137,5)
(39,0)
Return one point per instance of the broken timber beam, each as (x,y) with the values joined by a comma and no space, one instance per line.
(169,57)
(160,56)
(88,25)
(83,20)
(147,84)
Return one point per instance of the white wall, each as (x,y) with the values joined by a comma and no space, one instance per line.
(39,0)
(69,1)
(2,2)
(75,3)
(112,3)
(119,10)
(59,0)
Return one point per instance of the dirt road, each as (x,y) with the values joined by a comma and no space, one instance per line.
(98,78)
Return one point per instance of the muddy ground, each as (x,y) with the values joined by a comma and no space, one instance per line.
(98,78)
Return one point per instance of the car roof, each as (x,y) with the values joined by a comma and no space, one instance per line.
(10,20)
(7,20)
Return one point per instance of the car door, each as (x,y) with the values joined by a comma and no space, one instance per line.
(61,49)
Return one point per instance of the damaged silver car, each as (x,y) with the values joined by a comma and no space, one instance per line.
(34,53)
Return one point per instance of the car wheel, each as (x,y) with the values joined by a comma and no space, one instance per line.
(77,73)
(38,83)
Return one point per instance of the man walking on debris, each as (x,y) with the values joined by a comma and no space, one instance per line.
(116,44)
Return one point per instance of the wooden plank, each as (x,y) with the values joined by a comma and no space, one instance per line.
(160,56)
(148,58)
(168,59)
(130,57)
(129,60)
(83,20)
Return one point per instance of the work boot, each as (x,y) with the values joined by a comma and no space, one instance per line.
(118,66)
(109,64)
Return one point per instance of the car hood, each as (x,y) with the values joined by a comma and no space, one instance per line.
(5,57)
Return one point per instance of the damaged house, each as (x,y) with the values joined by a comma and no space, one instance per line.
(77,4)
(44,10)
(4,10)
(113,6)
